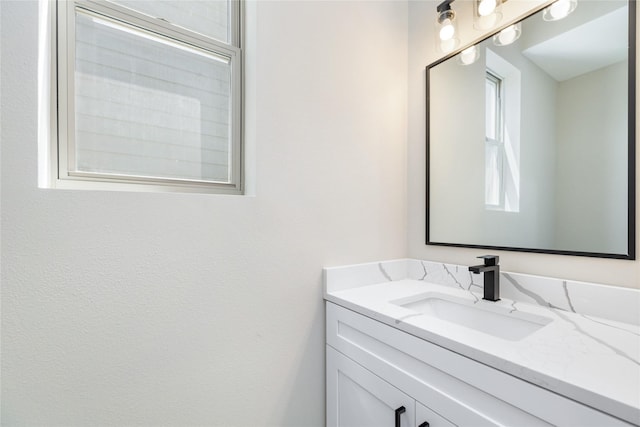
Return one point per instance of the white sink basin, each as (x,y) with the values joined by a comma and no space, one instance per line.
(484,316)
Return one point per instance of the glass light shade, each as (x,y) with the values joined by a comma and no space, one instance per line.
(558,10)
(447,25)
(508,35)
(447,30)
(486,13)
(487,7)
(469,56)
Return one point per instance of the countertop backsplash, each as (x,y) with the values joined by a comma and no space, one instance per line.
(588,299)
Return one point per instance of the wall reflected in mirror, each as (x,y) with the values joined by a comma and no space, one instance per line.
(529,137)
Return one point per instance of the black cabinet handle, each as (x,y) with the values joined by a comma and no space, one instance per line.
(401,410)
(424,424)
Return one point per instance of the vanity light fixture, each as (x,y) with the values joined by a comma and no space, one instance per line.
(486,13)
(469,56)
(447,27)
(559,9)
(508,35)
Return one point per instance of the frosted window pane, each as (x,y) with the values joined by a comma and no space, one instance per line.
(210,17)
(146,106)
(491,109)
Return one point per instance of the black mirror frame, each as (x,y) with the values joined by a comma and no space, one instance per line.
(631,168)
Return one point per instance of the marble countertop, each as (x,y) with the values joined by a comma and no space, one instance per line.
(591,359)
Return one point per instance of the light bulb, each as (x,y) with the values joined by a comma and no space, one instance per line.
(447,31)
(560,9)
(487,14)
(508,35)
(486,7)
(469,55)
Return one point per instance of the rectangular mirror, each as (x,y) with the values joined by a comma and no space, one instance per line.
(531,145)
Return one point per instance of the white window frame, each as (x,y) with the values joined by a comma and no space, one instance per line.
(498,141)
(511,106)
(56,93)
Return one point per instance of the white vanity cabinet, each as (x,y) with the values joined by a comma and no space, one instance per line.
(373,369)
(361,398)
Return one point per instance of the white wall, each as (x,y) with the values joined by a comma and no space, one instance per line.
(598,180)
(422,53)
(457,147)
(175,309)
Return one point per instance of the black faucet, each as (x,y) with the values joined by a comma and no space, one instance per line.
(491,271)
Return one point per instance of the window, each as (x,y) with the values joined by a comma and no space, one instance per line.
(502,134)
(148,95)
(494,146)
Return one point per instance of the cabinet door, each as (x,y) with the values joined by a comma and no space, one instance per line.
(358,398)
(457,388)
(425,417)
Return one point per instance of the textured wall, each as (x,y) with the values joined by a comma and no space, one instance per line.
(175,309)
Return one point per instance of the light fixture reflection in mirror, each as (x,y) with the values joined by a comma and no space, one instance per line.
(469,56)
(544,161)
(559,10)
(508,35)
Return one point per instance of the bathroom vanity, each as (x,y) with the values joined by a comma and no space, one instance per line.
(412,343)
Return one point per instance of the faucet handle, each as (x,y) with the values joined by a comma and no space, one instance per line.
(490,260)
